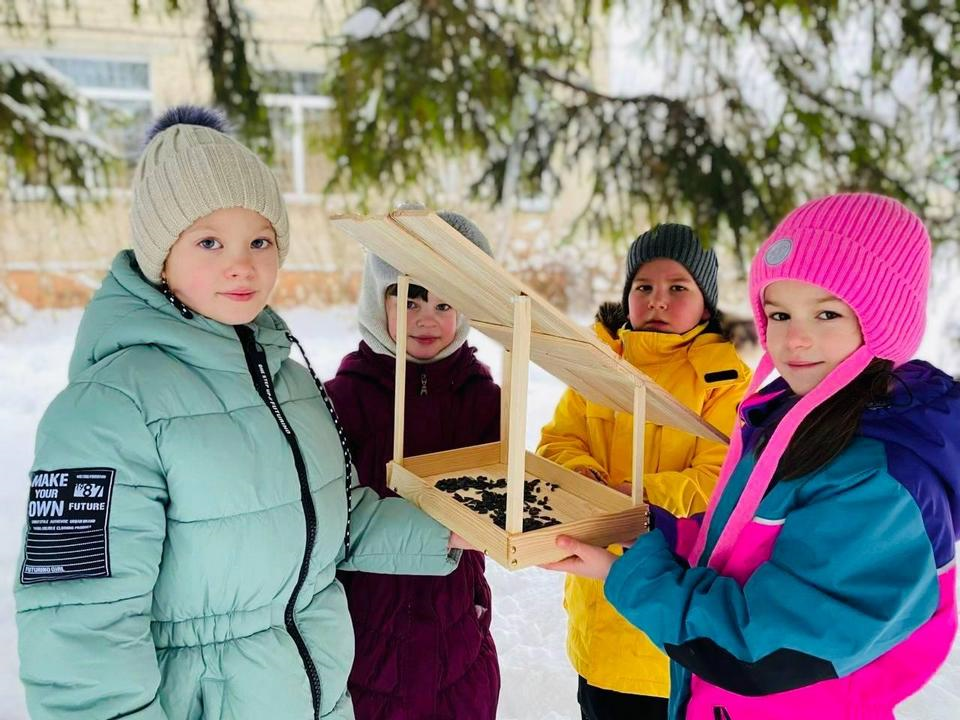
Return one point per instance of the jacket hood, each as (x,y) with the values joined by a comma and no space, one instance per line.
(708,351)
(128,311)
(612,316)
(920,426)
(451,372)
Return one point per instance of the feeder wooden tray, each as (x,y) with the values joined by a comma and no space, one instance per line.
(427,251)
(585,509)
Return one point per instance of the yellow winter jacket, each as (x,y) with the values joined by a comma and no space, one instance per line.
(705,373)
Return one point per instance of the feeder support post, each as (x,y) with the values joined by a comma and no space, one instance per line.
(639,427)
(517,428)
(400,376)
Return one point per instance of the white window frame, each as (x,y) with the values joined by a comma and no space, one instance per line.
(91,92)
(298,105)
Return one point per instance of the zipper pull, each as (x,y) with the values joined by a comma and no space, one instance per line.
(423,383)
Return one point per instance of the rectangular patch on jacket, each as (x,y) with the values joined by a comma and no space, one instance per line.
(67,516)
(720,375)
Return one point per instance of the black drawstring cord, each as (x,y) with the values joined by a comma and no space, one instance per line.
(185,312)
(347,460)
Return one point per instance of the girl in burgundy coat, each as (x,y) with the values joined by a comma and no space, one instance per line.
(424,649)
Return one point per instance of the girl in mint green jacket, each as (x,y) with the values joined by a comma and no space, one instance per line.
(190,498)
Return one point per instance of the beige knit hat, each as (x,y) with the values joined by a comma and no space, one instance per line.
(189,169)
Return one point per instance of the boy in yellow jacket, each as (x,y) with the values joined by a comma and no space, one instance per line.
(667,326)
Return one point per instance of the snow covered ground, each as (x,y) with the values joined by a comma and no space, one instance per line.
(529,622)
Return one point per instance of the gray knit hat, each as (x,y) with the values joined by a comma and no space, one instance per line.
(378,275)
(680,243)
(190,168)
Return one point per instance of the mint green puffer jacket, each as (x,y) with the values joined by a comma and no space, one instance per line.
(187,516)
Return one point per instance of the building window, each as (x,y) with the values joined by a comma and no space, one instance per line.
(121,105)
(298,117)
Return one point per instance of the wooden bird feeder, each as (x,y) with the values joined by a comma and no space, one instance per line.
(430,253)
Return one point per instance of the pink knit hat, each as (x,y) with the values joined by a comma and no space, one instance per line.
(872,253)
(869,251)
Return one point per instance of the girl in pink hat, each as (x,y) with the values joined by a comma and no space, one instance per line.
(821,580)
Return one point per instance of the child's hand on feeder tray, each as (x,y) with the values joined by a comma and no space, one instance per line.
(585,560)
(456,542)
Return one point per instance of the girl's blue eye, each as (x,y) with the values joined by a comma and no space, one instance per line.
(209,243)
(261,243)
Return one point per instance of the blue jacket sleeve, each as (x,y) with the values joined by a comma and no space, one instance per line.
(680,533)
(394,537)
(85,644)
(850,576)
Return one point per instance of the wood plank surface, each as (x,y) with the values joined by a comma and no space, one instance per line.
(420,244)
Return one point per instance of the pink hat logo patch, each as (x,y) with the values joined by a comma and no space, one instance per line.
(777,253)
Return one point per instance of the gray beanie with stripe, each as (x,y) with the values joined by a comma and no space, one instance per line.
(680,243)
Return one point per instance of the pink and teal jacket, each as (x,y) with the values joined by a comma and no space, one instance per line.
(838,600)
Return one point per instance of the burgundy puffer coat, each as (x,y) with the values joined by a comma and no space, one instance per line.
(424,648)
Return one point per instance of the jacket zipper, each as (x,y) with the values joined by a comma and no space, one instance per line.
(347,459)
(257,367)
(423,383)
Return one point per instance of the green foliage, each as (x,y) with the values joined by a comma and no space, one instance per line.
(38,111)
(858,94)
(504,88)
(235,85)
(38,108)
